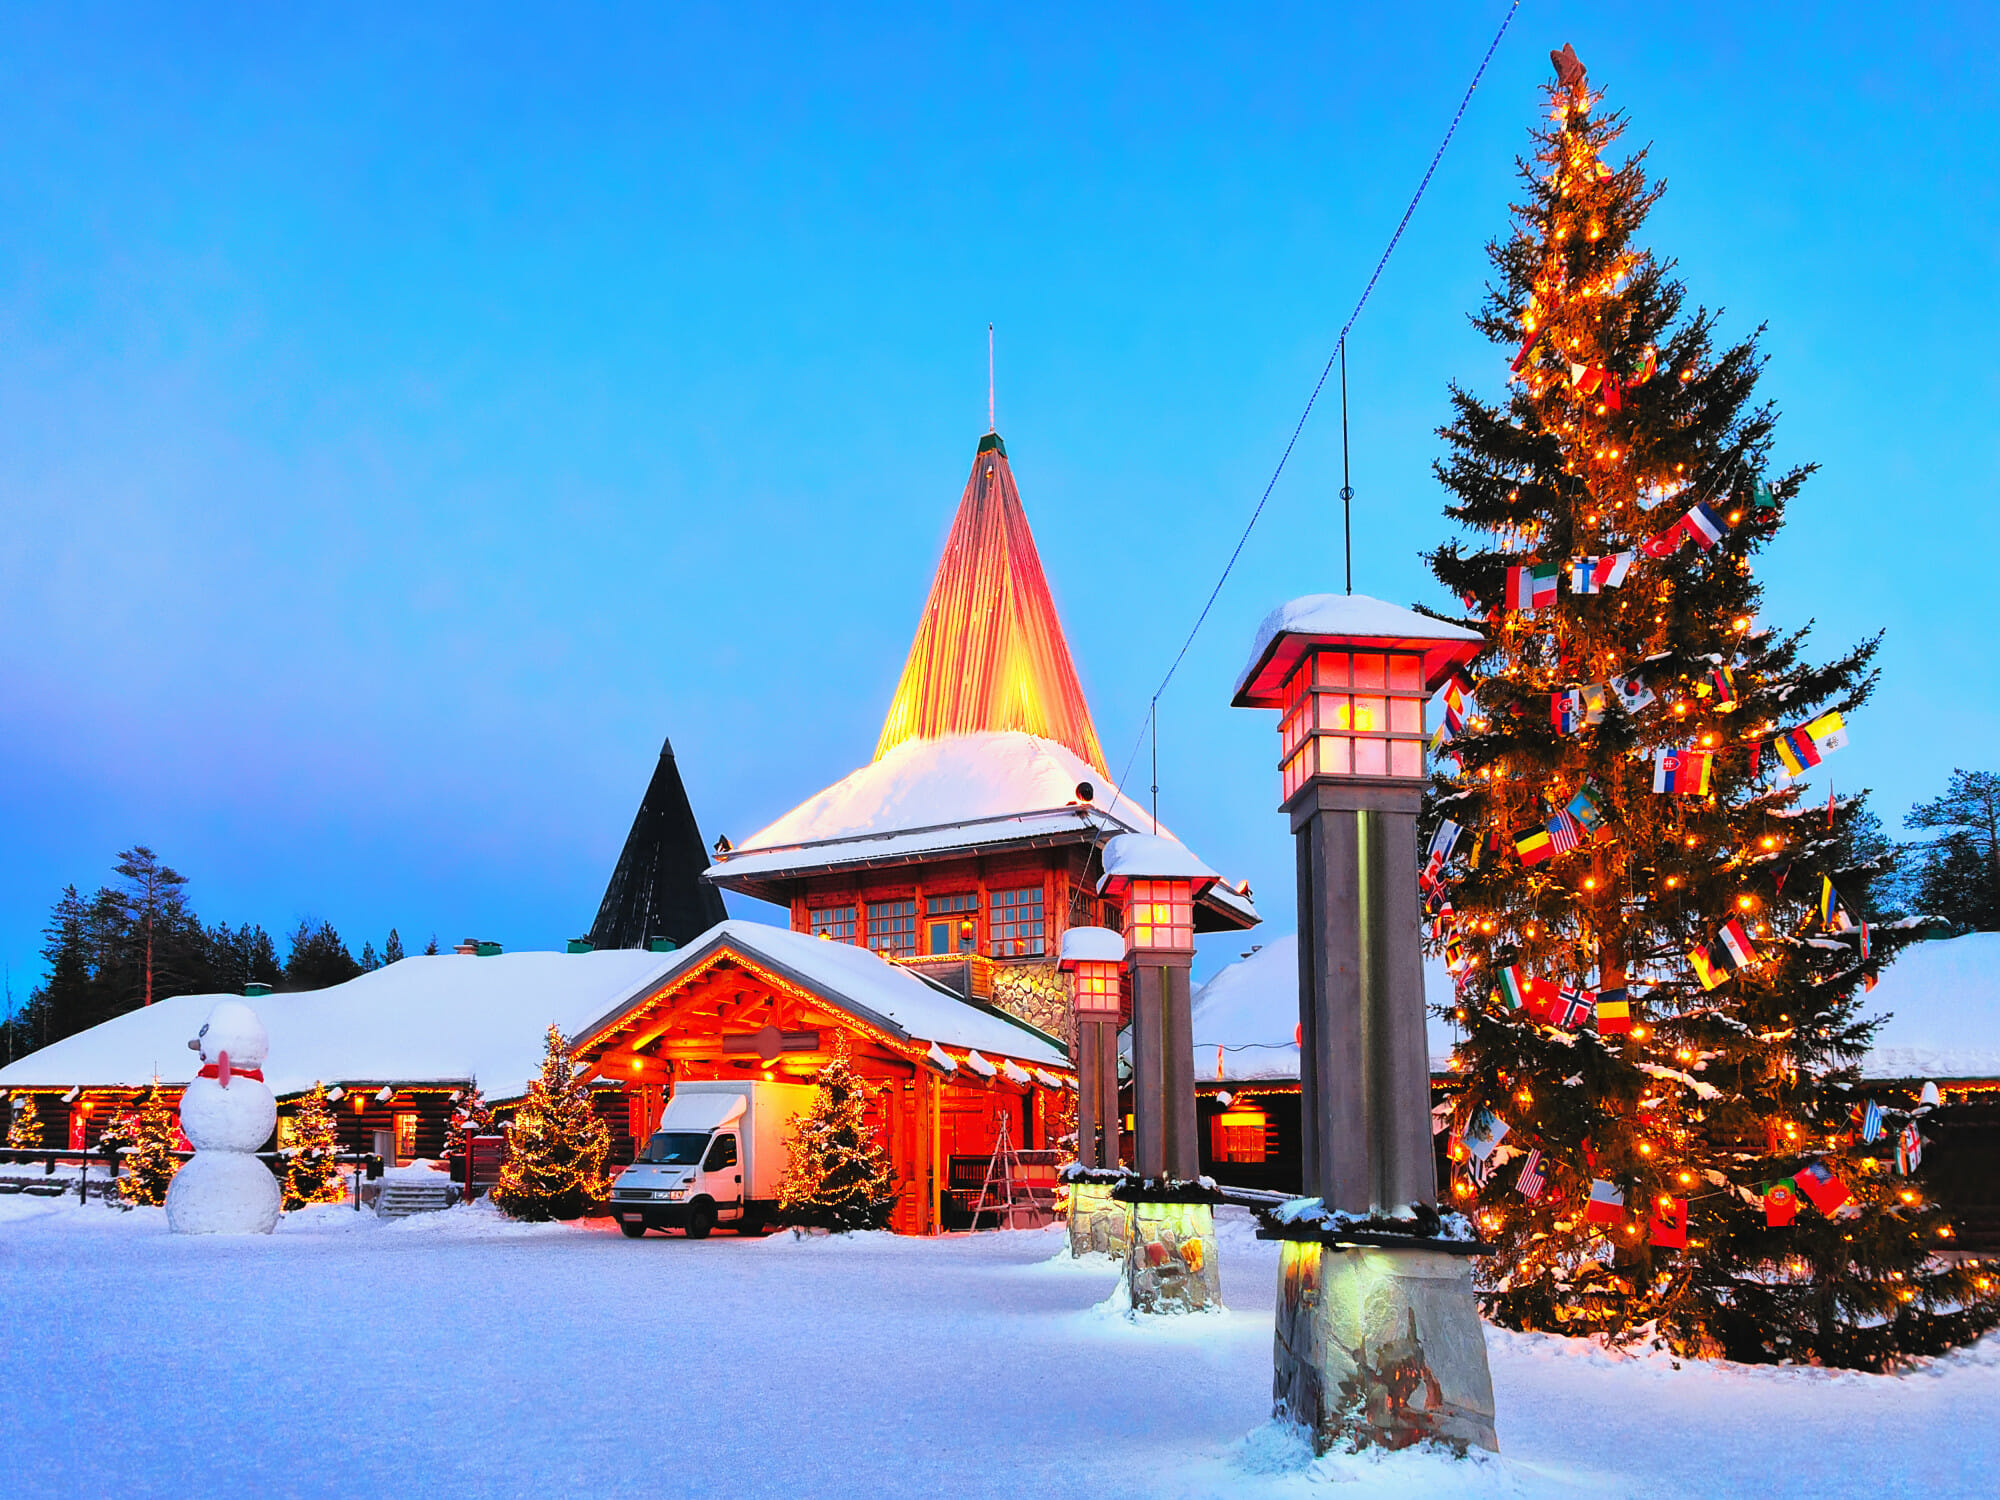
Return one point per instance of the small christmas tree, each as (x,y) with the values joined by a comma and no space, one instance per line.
(24,1132)
(149,1162)
(1660,947)
(470,1116)
(555,1147)
(838,1176)
(312,1165)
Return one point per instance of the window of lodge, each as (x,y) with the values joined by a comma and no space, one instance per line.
(951,924)
(835,923)
(892,928)
(1016,927)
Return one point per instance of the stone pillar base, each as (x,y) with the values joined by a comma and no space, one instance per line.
(1171,1264)
(1380,1347)
(1098,1223)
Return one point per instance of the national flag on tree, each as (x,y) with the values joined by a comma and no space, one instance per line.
(1531,586)
(1722,682)
(1586,809)
(1565,832)
(1703,526)
(1871,1122)
(1534,846)
(1633,694)
(1512,987)
(1735,945)
(1833,915)
(1566,710)
(1593,575)
(1607,1203)
(1823,1190)
(1614,1012)
(1781,1202)
(1682,773)
(1573,1009)
(1530,1182)
(1486,1131)
(1909,1149)
(1799,750)
(1668,1229)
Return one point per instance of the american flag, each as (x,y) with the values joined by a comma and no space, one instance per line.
(1565,832)
(1531,1182)
(1871,1121)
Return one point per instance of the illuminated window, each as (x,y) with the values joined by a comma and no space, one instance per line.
(892,928)
(1353,714)
(1239,1135)
(1016,924)
(833,922)
(1160,914)
(953,924)
(406,1138)
(1095,988)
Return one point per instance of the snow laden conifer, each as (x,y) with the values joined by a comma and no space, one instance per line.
(146,1149)
(24,1129)
(470,1116)
(312,1160)
(1659,945)
(556,1145)
(837,1176)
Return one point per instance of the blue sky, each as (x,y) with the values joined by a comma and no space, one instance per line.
(408,422)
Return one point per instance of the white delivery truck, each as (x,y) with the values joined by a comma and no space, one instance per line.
(716,1158)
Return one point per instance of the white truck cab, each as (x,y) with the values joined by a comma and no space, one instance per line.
(717,1157)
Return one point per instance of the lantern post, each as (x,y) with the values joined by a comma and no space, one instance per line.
(1378,1335)
(1170,1259)
(1094,959)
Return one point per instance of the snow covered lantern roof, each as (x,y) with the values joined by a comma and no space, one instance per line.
(1351,620)
(1151,856)
(1091,945)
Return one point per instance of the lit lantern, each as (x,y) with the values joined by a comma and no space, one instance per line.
(1094,958)
(1157,880)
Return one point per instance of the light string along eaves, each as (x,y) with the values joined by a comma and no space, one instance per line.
(1151,725)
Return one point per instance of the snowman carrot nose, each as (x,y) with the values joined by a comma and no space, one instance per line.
(222,1068)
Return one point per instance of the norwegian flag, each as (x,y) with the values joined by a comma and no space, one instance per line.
(1531,1181)
(1573,1010)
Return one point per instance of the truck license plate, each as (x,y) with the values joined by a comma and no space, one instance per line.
(632,1218)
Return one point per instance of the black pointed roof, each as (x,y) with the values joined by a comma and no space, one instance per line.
(657,890)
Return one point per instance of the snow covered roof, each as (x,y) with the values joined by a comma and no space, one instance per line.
(1942,1000)
(888,996)
(1292,629)
(1251,1010)
(1147,856)
(1093,945)
(926,796)
(447,1019)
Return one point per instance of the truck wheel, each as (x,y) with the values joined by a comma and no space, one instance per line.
(701,1219)
(750,1227)
(631,1231)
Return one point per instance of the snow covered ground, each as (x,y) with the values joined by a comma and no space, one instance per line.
(458,1353)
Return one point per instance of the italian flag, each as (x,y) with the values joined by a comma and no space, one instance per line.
(1531,587)
(1511,988)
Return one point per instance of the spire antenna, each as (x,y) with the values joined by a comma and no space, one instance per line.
(991,425)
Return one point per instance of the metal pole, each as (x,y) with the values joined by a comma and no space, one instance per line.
(1346,487)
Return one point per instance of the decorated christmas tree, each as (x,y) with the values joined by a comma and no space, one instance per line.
(312,1165)
(837,1176)
(146,1149)
(556,1145)
(1660,945)
(24,1129)
(471,1115)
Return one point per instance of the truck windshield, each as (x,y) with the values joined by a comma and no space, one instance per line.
(676,1148)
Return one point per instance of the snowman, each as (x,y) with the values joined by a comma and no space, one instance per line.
(226,1113)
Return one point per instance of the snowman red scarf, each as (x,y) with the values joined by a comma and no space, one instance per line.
(221,1072)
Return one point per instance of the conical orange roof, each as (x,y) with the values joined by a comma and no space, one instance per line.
(989,653)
